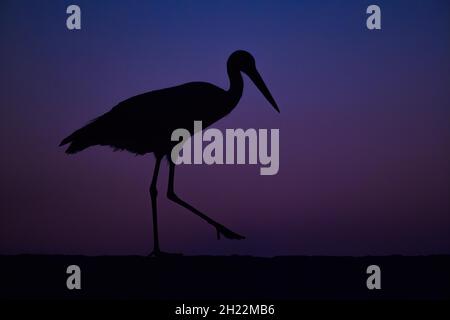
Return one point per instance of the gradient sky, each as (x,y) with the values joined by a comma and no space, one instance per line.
(364,127)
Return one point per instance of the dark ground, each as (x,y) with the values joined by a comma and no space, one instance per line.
(225,277)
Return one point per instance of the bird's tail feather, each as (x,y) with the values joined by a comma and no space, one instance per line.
(76,146)
(79,140)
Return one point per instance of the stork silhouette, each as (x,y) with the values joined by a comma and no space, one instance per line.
(144,124)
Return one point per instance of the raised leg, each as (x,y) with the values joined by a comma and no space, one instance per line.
(221,230)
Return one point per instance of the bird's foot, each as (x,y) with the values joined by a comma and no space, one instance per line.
(227,233)
(162,254)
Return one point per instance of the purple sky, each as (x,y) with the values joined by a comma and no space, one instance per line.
(364,127)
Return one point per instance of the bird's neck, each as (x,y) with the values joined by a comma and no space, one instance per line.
(236,85)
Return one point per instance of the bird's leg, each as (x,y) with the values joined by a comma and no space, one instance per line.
(227,233)
(153,195)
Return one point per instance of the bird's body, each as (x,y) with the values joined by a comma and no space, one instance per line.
(144,123)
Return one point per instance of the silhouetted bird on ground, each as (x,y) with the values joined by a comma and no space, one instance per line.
(144,124)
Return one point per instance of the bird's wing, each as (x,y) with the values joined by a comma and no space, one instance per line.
(147,120)
(171,108)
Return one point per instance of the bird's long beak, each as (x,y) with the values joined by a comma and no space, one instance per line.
(259,82)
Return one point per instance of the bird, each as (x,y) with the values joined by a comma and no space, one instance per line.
(144,123)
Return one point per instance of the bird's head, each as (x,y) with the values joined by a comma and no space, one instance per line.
(243,61)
